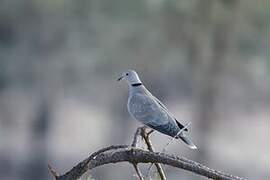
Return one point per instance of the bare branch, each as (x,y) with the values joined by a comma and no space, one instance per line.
(151,149)
(135,156)
(139,174)
(136,136)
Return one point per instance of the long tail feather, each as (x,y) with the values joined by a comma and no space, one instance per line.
(188,141)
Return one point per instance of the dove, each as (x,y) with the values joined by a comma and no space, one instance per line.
(147,109)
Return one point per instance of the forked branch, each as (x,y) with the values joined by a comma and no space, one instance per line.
(133,155)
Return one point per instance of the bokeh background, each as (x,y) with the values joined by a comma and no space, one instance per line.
(208,61)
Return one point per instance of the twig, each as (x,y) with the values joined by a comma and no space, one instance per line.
(141,131)
(151,149)
(139,174)
(135,138)
(134,144)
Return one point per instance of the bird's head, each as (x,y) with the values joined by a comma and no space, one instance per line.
(130,76)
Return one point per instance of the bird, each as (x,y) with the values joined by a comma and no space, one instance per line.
(150,111)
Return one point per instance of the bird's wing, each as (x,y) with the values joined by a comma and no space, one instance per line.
(160,103)
(145,109)
(164,107)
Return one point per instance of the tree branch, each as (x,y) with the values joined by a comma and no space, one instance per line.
(151,149)
(133,155)
(136,136)
(139,174)
(76,172)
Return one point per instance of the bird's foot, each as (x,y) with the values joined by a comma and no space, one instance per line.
(150,132)
(144,131)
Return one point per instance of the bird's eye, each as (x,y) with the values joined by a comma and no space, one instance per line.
(126,74)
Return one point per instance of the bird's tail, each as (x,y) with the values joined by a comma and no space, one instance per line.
(188,141)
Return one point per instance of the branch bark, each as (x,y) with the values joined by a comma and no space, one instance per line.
(133,155)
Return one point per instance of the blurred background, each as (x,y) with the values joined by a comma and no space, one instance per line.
(208,61)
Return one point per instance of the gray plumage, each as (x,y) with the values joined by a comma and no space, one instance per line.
(147,109)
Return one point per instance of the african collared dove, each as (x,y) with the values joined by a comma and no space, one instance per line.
(147,109)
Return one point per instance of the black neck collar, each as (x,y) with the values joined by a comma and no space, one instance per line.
(136,84)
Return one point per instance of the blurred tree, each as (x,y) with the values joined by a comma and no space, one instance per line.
(38,160)
(211,42)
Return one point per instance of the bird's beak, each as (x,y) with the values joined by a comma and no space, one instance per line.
(120,78)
